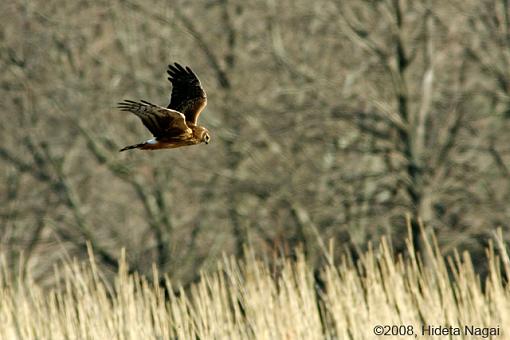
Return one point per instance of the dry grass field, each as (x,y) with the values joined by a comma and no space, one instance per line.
(252,299)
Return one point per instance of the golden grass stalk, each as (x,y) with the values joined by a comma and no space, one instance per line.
(247,299)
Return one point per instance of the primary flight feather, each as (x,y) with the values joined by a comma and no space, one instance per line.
(175,125)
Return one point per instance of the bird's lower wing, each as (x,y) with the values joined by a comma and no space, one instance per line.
(160,121)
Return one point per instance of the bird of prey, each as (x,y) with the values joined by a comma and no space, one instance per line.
(175,125)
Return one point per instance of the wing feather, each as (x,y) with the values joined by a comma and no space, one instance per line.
(188,96)
(160,121)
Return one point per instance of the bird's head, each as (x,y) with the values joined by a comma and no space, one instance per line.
(205,137)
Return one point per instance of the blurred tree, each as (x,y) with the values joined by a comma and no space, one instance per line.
(330,119)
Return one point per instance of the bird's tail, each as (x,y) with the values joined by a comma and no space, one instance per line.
(134,146)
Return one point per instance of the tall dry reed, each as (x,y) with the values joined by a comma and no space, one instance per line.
(248,299)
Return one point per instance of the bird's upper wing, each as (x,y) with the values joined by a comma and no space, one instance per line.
(159,120)
(188,96)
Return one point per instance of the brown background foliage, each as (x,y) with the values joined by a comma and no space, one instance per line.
(329,119)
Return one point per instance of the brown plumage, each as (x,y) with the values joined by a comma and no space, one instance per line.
(175,125)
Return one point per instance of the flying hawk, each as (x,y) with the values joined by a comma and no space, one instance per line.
(175,125)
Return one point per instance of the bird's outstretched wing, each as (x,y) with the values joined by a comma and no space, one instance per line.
(188,96)
(160,121)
